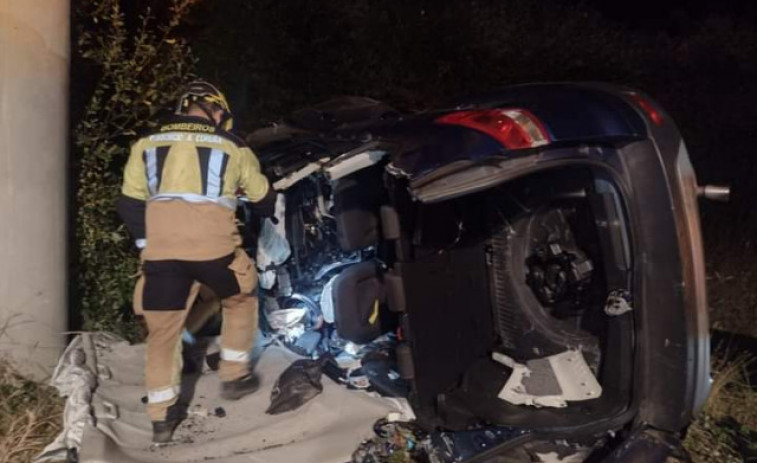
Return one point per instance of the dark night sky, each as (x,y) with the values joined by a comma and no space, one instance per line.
(665,13)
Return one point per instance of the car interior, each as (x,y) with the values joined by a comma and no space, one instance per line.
(431,293)
(524,269)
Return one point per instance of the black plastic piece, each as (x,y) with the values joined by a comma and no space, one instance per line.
(450,447)
(300,382)
(648,446)
(384,377)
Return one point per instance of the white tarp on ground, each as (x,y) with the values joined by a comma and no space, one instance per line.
(325,430)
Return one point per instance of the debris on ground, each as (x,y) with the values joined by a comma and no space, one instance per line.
(406,442)
(300,382)
(337,420)
(395,442)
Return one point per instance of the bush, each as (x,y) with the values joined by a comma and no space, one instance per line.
(138,70)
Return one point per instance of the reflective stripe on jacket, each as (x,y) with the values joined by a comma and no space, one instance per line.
(190,159)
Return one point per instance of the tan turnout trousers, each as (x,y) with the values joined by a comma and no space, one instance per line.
(240,323)
(164,361)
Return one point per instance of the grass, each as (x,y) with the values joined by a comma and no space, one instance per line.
(30,416)
(727,426)
(731,292)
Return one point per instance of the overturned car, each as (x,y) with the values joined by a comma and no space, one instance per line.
(525,268)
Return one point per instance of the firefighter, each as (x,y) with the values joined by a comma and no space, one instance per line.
(178,201)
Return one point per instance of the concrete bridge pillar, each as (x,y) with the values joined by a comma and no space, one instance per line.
(34,65)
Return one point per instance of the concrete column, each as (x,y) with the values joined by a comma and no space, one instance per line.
(34,57)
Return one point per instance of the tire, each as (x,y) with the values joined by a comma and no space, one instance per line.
(527,328)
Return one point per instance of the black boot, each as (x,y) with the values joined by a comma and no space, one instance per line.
(238,388)
(162,431)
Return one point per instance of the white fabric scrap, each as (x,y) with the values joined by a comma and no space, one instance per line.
(405,412)
(327,300)
(284,319)
(352,348)
(515,392)
(75,380)
(573,376)
(273,247)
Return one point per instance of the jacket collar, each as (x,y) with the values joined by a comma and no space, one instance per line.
(182,118)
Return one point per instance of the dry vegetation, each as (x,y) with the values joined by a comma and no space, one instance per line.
(30,416)
(731,290)
(726,429)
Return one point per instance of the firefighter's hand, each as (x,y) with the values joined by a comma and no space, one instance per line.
(266,207)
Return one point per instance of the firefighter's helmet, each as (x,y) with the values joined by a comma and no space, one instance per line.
(200,91)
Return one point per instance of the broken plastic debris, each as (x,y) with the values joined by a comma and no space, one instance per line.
(352,348)
(618,302)
(198,411)
(400,442)
(286,319)
(550,381)
(358,381)
(273,247)
(327,300)
(347,361)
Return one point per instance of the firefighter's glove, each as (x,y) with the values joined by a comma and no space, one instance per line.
(266,207)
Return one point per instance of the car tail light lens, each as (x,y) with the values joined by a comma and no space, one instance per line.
(514,128)
(652,113)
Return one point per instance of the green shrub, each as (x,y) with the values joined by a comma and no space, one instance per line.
(139,69)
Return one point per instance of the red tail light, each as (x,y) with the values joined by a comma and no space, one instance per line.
(514,128)
(648,108)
